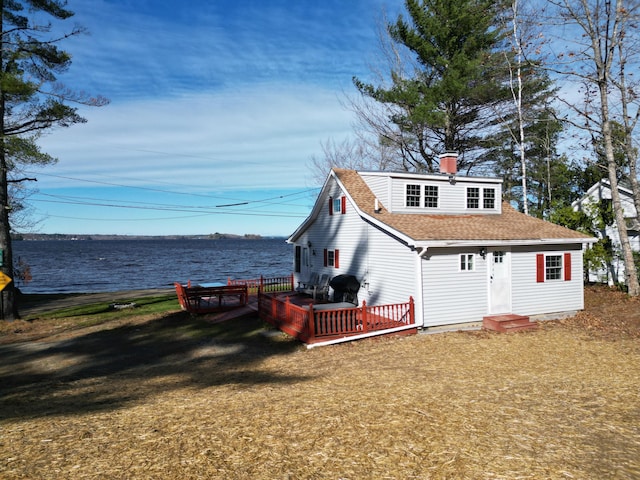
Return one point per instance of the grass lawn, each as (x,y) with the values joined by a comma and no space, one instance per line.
(156,394)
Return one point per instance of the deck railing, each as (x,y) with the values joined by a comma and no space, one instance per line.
(315,325)
(266,284)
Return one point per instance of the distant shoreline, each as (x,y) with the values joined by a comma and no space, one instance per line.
(211,236)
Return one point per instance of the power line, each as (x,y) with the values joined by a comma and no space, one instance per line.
(159,190)
(174,209)
(90,201)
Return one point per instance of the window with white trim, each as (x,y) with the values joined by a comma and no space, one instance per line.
(413,195)
(417,196)
(489,198)
(481,198)
(553,267)
(473,197)
(431,196)
(466,262)
(337,204)
(331,258)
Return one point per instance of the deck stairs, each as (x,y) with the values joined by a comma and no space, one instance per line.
(508,322)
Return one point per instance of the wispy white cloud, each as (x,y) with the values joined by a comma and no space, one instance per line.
(252,138)
(225,98)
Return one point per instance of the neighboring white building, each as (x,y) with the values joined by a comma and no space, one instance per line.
(601,191)
(446,240)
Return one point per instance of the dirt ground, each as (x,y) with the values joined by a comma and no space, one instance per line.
(170,396)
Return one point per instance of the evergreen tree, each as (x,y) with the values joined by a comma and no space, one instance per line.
(457,94)
(552,179)
(31,102)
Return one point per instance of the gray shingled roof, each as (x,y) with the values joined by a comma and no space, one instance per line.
(509,225)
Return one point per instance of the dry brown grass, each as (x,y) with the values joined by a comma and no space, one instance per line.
(160,400)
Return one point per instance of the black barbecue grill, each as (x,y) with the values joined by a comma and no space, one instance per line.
(345,288)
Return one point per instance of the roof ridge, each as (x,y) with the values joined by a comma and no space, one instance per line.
(508,225)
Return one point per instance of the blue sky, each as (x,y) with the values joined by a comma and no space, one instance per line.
(217,107)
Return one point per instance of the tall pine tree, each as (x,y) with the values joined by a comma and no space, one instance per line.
(31,102)
(454,99)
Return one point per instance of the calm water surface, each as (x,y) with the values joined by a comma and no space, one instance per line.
(68,266)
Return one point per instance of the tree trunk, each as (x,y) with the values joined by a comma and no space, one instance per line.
(631,275)
(8,304)
(603,59)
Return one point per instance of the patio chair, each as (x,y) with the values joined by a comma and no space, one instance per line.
(322,288)
(308,284)
(318,289)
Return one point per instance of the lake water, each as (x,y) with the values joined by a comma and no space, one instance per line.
(68,266)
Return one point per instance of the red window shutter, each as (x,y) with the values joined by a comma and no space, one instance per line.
(336,257)
(325,257)
(344,204)
(540,268)
(567,267)
(330,205)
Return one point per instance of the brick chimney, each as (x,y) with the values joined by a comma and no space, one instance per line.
(449,163)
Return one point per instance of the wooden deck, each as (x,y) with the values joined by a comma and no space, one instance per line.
(215,298)
(314,322)
(327,323)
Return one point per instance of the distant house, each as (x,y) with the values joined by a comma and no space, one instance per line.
(446,240)
(600,193)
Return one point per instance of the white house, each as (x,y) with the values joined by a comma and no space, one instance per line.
(446,240)
(601,192)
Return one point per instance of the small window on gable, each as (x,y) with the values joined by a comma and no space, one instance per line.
(337,205)
(413,196)
(466,262)
(473,197)
(489,198)
(431,196)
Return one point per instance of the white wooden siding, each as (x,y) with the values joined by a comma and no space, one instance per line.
(391,268)
(379,185)
(452,196)
(452,296)
(385,268)
(533,298)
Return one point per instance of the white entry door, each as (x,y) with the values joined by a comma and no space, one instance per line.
(499,281)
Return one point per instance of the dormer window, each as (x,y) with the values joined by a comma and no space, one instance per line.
(473,197)
(481,198)
(413,195)
(430,196)
(489,197)
(415,198)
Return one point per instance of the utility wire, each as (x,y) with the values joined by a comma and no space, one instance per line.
(240,202)
(174,209)
(91,201)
